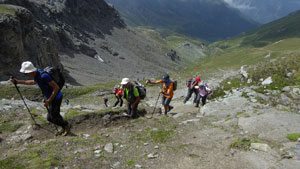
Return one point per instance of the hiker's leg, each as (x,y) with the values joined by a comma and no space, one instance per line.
(163,102)
(204,100)
(121,104)
(117,102)
(195,91)
(167,103)
(54,109)
(198,100)
(188,96)
(134,111)
(128,109)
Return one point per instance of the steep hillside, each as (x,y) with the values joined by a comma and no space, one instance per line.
(267,10)
(210,20)
(88,37)
(287,27)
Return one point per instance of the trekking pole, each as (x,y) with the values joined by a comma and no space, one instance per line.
(24,102)
(155,106)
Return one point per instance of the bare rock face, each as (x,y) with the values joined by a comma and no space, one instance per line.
(39,31)
(21,40)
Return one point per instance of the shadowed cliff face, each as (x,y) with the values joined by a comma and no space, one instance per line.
(21,40)
(40,30)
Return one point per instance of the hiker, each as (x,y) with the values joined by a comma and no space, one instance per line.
(105,100)
(51,92)
(167,91)
(192,85)
(131,94)
(203,92)
(67,101)
(118,92)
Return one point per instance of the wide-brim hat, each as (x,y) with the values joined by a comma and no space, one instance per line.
(27,67)
(124,81)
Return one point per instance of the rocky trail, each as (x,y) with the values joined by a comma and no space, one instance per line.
(234,131)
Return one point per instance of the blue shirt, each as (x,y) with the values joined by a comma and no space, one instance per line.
(43,80)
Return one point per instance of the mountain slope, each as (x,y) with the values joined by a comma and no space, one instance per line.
(286,27)
(210,20)
(267,10)
(87,36)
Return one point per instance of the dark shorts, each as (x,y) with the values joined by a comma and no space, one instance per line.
(166,101)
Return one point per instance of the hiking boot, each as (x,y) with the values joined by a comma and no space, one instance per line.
(67,129)
(60,132)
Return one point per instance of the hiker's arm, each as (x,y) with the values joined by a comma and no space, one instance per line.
(24,82)
(136,102)
(149,82)
(194,84)
(168,91)
(53,94)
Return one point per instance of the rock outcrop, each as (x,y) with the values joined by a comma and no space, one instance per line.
(41,30)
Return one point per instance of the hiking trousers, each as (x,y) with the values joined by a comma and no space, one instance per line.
(119,99)
(132,112)
(53,115)
(189,94)
(199,98)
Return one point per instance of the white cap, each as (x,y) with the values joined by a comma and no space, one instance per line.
(124,81)
(27,67)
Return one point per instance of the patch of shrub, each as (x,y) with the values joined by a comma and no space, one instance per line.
(293,137)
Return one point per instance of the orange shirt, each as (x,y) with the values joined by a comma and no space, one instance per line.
(165,90)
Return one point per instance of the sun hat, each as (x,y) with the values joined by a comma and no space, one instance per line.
(201,84)
(124,81)
(27,67)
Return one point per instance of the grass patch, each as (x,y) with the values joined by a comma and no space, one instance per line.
(239,113)
(157,136)
(11,162)
(130,163)
(244,143)
(228,119)
(293,137)
(4,9)
(194,156)
(9,127)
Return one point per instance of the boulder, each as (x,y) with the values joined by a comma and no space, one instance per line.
(267,81)
(286,89)
(109,148)
(289,75)
(243,72)
(284,100)
(261,147)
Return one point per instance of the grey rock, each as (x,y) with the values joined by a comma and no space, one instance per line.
(86,136)
(20,138)
(267,81)
(286,89)
(284,100)
(117,164)
(249,81)
(289,75)
(152,156)
(109,148)
(243,72)
(263,97)
(138,166)
(260,146)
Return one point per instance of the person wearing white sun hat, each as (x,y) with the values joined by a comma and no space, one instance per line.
(131,94)
(50,90)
